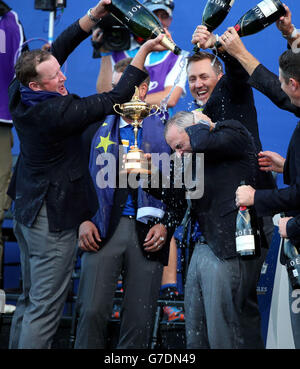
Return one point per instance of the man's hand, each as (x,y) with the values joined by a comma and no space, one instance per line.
(203,38)
(100,10)
(156,238)
(199,116)
(232,43)
(234,46)
(153,44)
(284,24)
(282,226)
(244,196)
(270,161)
(88,236)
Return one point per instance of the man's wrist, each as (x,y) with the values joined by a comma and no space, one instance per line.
(214,41)
(93,15)
(291,34)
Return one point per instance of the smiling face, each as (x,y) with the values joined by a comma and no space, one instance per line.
(202,79)
(50,77)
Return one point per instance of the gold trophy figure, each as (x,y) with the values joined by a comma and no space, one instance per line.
(136,110)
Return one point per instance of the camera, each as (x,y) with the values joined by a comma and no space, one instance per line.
(49,5)
(4,8)
(116,36)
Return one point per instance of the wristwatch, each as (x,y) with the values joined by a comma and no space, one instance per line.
(92,18)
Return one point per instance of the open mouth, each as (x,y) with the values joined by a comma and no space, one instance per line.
(62,90)
(202,97)
(202,94)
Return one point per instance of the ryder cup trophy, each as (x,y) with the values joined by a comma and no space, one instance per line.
(136,110)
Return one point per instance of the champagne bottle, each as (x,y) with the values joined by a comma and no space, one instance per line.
(4,8)
(140,21)
(292,262)
(245,240)
(256,19)
(215,12)
(261,16)
(244,234)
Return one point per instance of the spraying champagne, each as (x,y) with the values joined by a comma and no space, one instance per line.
(140,21)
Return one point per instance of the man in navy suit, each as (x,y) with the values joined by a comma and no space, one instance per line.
(129,235)
(221,308)
(51,186)
(285,93)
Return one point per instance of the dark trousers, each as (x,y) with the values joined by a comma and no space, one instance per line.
(99,275)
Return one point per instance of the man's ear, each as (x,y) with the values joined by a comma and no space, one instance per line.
(34,85)
(220,75)
(295,85)
(143,89)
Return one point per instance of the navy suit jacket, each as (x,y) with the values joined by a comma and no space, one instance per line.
(286,199)
(51,165)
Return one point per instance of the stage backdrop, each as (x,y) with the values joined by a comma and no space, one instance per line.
(275,126)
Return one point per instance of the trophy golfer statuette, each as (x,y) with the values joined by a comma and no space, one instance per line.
(136,110)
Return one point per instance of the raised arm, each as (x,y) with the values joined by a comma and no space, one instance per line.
(234,69)
(234,46)
(260,77)
(73,35)
(287,29)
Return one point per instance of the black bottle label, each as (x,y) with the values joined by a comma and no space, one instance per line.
(245,240)
(261,16)
(294,264)
(293,269)
(264,11)
(265,8)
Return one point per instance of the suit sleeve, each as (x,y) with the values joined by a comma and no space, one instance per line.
(269,202)
(223,141)
(286,199)
(293,229)
(71,114)
(268,84)
(235,73)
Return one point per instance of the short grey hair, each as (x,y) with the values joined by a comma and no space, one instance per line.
(181,120)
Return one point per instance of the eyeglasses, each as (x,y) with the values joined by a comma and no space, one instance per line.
(169,3)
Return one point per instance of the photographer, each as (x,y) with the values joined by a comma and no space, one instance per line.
(163,73)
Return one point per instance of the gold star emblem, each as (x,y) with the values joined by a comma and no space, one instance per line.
(105,142)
